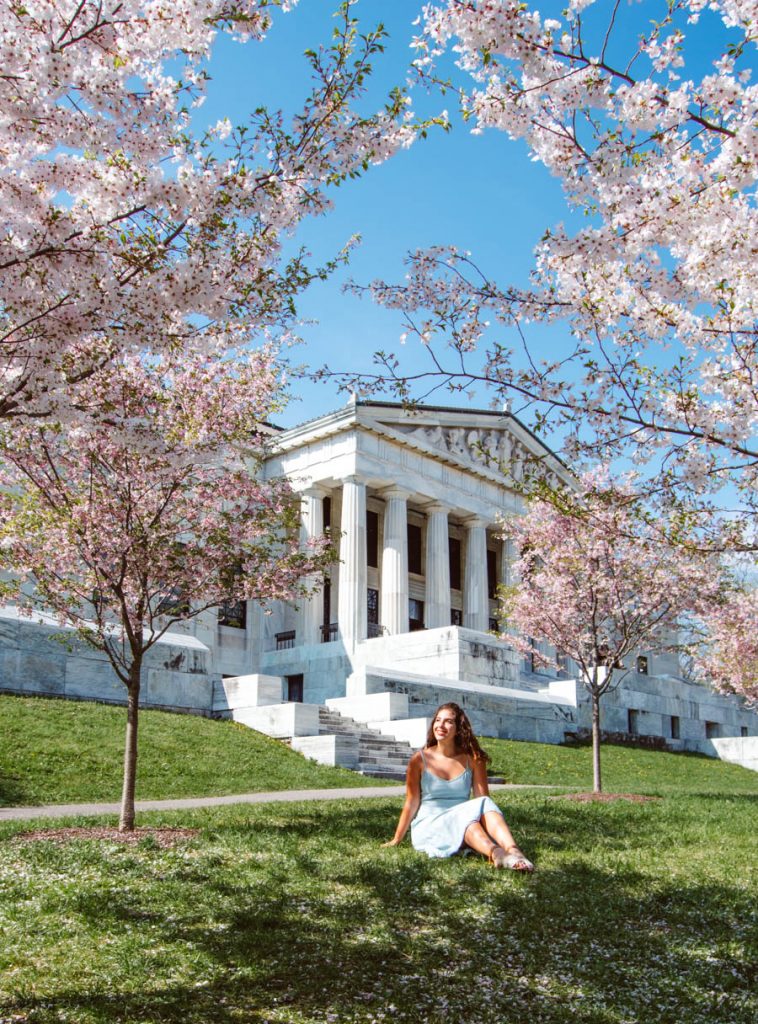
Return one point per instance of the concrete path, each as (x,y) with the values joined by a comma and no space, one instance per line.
(280,796)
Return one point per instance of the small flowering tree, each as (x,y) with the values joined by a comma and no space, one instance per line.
(727,656)
(149,511)
(596,582)
(129,225)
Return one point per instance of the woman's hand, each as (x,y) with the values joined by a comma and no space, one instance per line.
(393,842)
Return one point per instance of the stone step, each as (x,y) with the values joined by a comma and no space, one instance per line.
(375,773)
(378,755)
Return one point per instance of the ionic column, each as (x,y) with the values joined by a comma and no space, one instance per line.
(394,597)
(311,609)
(476,609)
(351,613)
(437,605)
(253,635)
(508,557)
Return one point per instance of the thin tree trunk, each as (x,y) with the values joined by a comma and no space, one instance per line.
(597,784)
(126,819)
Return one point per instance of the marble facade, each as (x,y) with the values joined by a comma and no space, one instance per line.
(413,501)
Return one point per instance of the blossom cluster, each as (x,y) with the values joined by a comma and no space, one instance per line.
(659,288)
(598,581)
(153,510)
(123,228)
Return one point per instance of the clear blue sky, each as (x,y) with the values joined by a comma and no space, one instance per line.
(479,192)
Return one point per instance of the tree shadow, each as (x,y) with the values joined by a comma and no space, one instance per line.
(12,791)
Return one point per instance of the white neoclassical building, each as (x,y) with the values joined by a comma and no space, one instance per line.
(413,500)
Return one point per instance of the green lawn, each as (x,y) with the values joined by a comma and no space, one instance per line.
(625,769)
(294,914)
(56,751)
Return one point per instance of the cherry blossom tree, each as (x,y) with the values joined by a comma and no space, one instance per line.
(150,511)
(727,656)
(656,149)
(596,583)
(125,225)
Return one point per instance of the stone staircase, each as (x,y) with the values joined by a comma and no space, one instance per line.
(380,757)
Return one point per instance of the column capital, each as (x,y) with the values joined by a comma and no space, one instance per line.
(314,491)
(395,492)
(437,506)
(474,522)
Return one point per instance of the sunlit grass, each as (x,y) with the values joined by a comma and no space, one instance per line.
(294,913)
(55,751)
(625,769)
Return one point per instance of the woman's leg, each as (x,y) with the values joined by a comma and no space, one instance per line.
(495,826)
(478,840)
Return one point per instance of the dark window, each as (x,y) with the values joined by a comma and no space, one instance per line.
(743,730)
(494,625)
(327,513)
(675,727)
(414,548)
(491,574)
(232,613)
(372,539)
(173,603)
(327,602)
(372,606)
(295,688)
(456,617)
(415,614)
(561,659)
(632,721)
(642,665)
(712,730)
(454,546)
(285,640)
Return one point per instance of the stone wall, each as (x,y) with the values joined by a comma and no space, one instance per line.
(646,705)
(43,658)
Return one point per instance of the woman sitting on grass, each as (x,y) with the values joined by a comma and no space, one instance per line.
(442,816)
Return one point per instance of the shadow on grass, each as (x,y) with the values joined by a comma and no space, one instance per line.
(305,918)
(12,791)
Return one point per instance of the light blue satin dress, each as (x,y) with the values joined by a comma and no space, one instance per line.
(446,811)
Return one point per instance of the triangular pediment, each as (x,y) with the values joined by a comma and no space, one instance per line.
(487,443)
(493,447)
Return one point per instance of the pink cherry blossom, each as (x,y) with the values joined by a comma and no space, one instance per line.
(658,287)
(123,227)
(151,510)
(597,581)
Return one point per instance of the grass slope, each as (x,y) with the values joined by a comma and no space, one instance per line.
(294,914)
(624,769)
(56,751)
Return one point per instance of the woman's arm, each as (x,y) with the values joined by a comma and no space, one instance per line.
(480,785)
(412,800)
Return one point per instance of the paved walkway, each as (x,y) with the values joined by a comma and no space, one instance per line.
(280,796)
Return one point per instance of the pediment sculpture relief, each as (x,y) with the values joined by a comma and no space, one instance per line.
(497,449)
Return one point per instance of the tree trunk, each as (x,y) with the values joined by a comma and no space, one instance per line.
(126,819)
(597,785)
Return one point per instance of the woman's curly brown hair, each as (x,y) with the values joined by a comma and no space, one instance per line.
(464,735)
